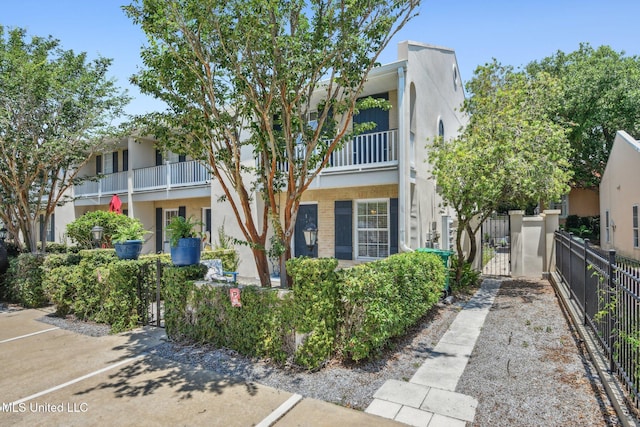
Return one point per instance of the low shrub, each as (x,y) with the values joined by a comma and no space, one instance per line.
(316,308)
(23,281)
(382,299)
(468,279)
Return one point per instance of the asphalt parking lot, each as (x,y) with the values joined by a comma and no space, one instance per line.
(50,376)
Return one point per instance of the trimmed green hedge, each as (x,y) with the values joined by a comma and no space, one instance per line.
(350,314)
(383,299)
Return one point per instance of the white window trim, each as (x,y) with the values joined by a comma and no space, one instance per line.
(356,243)
(203,219)
(166,220)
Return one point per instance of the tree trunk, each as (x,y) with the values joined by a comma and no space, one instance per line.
(473,247)
(262,264)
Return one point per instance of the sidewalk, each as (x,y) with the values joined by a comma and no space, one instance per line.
(429,398)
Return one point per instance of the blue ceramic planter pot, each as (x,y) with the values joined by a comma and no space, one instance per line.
(187,252)
(128,250)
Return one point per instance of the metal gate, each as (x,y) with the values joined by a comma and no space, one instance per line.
(150,303)
(496,246)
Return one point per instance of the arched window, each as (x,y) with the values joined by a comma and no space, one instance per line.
(441,129)
(455,77)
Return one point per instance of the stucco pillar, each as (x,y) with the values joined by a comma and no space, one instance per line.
(552,223)
(130,208)
(515,218)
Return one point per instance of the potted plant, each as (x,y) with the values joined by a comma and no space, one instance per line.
(128,239)
(184,241)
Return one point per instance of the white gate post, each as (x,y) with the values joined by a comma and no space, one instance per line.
(517,267)
(552,224)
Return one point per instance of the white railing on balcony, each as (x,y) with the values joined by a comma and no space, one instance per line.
(188,173)
(114,183)
(371,149)
(152,178)
(171,175)
(367,149)
(109,184)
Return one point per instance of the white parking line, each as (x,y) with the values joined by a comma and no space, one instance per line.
(280,411)
(77,380)
(28,335)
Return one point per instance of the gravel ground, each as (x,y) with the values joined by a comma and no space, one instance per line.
(527,368)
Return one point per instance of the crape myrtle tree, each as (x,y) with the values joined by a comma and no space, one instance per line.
(239,75)
(601,95)
(512,151)
(55,108)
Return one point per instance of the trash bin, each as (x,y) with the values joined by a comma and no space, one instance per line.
(444,256)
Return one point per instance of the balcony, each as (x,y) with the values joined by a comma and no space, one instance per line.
(371,150)
(368,152)
(164,177)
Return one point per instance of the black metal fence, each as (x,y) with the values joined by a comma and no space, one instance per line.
(606,288)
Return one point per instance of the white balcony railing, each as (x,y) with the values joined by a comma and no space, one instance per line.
(109,184)
(171,175)
(152,178)
(378,149)
(367,150)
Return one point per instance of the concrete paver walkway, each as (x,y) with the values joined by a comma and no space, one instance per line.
(429,397)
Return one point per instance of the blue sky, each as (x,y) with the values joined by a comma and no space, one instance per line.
(514,32)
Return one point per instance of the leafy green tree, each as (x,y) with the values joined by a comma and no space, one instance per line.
(55,107)
(600,95)
(248,77)
(511,152)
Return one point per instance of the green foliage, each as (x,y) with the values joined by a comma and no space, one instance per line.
(79,231)
(352,313)
(317,307)
(181,228)
(23,282)
(230,258)
(585,227)
(132,229)
(469,278)
(383,298)
(599,97)
(56,107)
(240,68)
(512,152)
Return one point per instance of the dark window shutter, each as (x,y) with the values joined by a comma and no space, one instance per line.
(41,227)
(182,158)
(51,237)
(207,220)
(158,158)
(98,164)
(115,161)
(125,160)
(343,212)
(393,222)
(182,211)
(159,219)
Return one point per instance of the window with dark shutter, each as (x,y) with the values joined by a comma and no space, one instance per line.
(159,219)
(343,213)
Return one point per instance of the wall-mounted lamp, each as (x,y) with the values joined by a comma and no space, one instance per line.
(310,236)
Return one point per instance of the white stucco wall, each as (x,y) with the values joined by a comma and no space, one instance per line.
(619,192)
